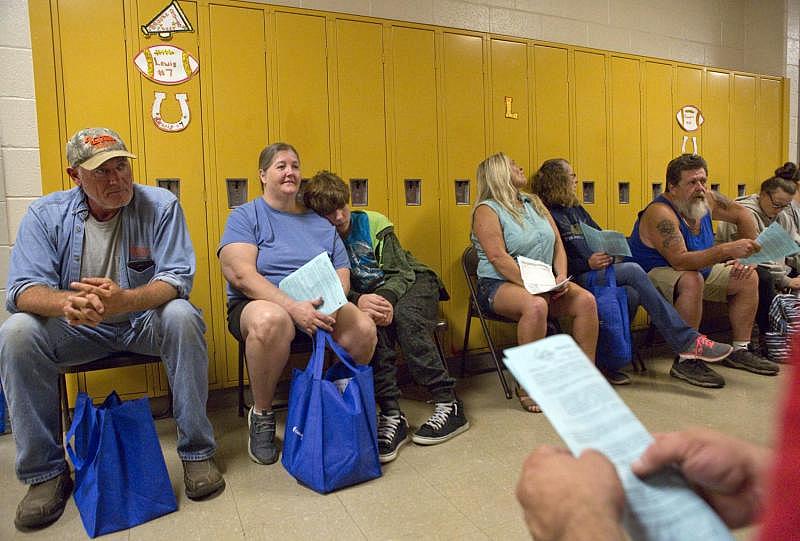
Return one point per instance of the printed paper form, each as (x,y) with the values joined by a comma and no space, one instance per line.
(587,413)
(776,245)
(609,242)
(315,279)
(538,276)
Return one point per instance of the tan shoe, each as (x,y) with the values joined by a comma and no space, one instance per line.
(202,478)
(44,502)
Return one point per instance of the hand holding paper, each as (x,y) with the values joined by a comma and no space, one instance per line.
(610,242)
(538,276)
(588,414)
(316,279)
(776,245)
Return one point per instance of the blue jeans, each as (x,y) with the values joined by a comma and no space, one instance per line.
(641,291)
(33,348)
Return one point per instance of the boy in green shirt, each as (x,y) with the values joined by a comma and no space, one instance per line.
(402,297)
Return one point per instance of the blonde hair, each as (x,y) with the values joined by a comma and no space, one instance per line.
(494,182)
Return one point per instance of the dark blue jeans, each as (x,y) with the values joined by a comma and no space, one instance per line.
(641,291)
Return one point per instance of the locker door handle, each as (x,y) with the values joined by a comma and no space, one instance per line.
(657,189)
(715,187)
(413,191)
(462,191)
(359,192)
(624,190)
(171,184)
(741,190)
(237,191)
(588,192)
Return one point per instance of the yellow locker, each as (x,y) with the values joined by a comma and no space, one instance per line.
(591,138)
(179,156)
(464,146)
(361,114)
(238,87)
(658,119)
(109,107)
(509,121)
(95,93)
(688,91)
(626,143)
(716,130)
(551,104)
(743,131)
(769,128)
(302,91)
(509,101)
(414,175)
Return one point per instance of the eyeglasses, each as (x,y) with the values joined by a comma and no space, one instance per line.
(777,206)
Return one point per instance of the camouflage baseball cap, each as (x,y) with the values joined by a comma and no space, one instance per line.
(90,147)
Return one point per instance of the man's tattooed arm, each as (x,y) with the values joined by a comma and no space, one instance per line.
(722,202)
(669,235)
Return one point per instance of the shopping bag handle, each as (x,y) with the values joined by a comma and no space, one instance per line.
(321,338)
(83,408)
(611,277)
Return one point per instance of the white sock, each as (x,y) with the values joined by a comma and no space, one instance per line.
(737,344)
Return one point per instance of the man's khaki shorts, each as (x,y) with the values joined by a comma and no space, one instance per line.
(715,290)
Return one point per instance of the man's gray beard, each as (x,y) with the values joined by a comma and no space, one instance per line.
(693,210)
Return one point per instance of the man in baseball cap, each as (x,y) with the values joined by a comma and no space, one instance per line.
(106,266)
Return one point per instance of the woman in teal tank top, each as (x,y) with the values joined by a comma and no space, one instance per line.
(508,223)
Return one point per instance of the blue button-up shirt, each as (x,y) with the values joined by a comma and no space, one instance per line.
(155,244)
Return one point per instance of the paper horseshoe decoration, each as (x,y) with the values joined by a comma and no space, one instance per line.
(163,125)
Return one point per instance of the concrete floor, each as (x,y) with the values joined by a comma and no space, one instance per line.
(463,489)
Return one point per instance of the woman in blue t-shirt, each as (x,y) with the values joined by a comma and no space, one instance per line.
(264,241)
(508,223)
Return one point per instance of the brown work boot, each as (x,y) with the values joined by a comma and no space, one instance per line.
(202,479)
(44,502)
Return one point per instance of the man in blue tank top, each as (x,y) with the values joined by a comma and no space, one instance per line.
(673,241)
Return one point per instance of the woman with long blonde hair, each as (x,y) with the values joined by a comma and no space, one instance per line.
(508,222)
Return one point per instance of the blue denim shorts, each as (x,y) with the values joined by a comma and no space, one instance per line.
(487,289)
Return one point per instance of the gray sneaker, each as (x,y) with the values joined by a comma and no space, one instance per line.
(696,372)
(261,439)
(44,502)
(748,359)
(706,350)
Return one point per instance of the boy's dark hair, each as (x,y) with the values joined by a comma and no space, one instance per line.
(684,162)
(325,192)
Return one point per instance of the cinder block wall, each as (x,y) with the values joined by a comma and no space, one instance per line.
(761,36)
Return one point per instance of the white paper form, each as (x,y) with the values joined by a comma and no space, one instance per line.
(610,242)
(776,245)
(538,276)
(587,413)
(316,279)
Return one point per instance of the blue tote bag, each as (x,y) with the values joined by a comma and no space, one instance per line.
(331,438)
(121,479)
(614,348)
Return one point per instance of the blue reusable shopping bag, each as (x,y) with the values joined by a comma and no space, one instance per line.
(331,438)
(121,479)
(614,348)
(2,411)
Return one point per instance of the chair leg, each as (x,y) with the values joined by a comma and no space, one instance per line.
(66,421)
(497,363)
(241,379)
(466,343)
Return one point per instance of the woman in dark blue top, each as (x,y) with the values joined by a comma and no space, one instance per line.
(555,183)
